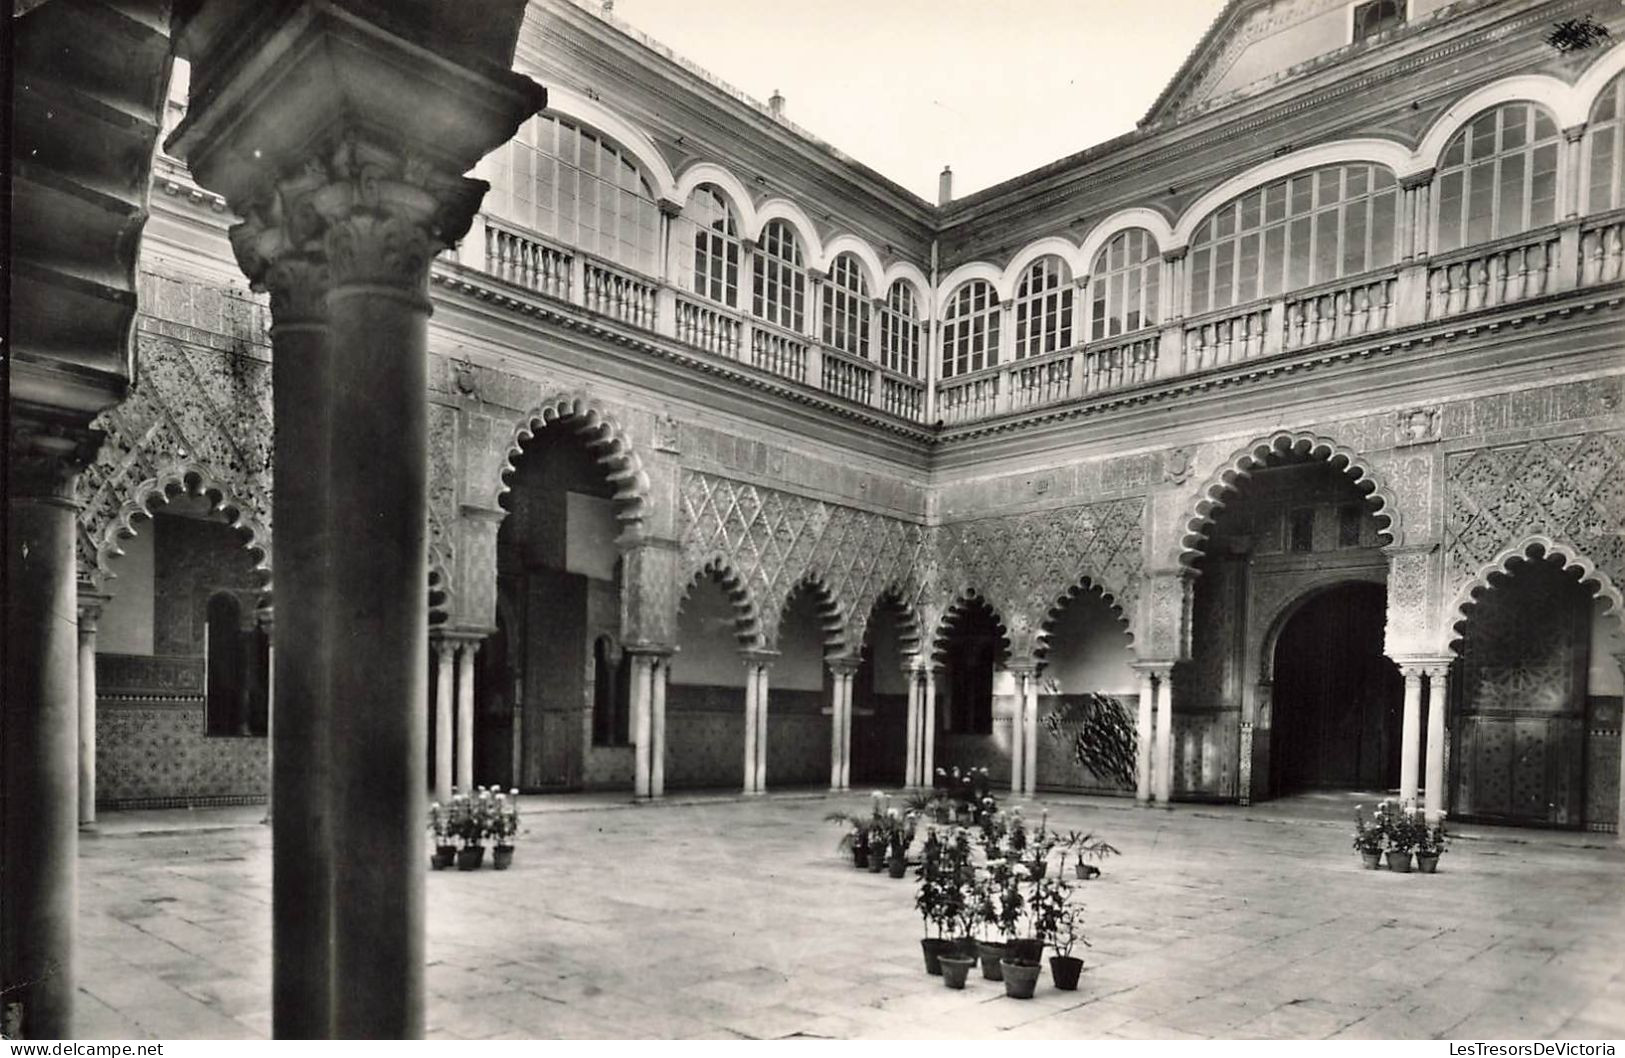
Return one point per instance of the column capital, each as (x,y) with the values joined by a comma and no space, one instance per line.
(669,207)
(1174,253)
(656,651)
(1420,178)
(843,666)
(1574,133)
(46,453)
(90,604)
(759,656)
(1160,668)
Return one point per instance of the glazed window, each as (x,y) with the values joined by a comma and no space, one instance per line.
(1379,16)
(1604,158)
(781,278)
(574,186)
(1498,176)
(900,331)
(970,329)
(1306,229)
(846,307)
(1044,308)
(710,264)
(1125,283)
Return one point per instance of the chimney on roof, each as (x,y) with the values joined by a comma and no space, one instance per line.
(775,103)
(945,186)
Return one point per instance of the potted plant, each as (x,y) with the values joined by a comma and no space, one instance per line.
(856,839)
(931,901)
(1400,830)
(1431,843)
(984,898)
(1062,925)
(899,835)
(445,851)
(504,825)
(466,823)
(1368,838)
(1085,847)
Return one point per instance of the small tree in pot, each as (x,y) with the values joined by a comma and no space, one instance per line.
(932,900)
(504,827)
(445,850)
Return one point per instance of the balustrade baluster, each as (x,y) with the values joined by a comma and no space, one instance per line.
(1613,253)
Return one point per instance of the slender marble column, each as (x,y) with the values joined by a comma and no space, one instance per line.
(761,727)
(465,713)
(1030,776)
(642,723)
(751,720)
(1143,738)
(928,755)
(1165,737)
(1410,735)
(39,757)
(657,719)
(1018,736)
(90,608)
(445,653)
(1438,715)
(836,726)
(846,732)
(267,619)
(911,762)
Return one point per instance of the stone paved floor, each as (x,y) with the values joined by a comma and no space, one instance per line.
(727,918)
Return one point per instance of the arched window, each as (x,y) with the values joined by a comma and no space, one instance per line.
(1310,228)
(225,706)
(1605,159)
(611,716)
(1044,308)
(1378,16)
(900,331)
(570,184)
(781,278)
(1125,280)
(710,264)
(846,307)
(1498,176)
(970,329)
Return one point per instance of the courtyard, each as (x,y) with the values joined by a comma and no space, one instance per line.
(732,917)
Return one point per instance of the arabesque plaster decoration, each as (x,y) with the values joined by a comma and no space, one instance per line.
(773,541)
(1567,491)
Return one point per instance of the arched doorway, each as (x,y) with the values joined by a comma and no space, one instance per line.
(1337,699)
(558,587)
(973,649)
(705,700)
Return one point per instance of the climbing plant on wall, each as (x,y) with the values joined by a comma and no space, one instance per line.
(1101,733)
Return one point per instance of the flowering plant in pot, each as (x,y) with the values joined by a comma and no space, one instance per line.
(968,794)
(1058,919)
(467,821)
(983,895)
(445,851)
(1431,843)
(936,898)
(897,831)
(503,826)
(1085,847)
(1369,837)
(855,841)
(1401,831)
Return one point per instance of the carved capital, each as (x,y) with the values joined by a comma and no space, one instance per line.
(1418,179)
(46,456)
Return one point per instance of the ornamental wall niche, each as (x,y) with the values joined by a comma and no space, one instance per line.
(773,541)
(1022,563)
(197,419)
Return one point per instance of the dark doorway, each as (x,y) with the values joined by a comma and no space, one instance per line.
(1337,703)
(880,700)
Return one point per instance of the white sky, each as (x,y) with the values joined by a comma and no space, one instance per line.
(991,87)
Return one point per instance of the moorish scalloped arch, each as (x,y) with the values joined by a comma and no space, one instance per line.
(176,479)
(955,610)
(831,614)
(1534,548)
(608,441)
(747,623)
(910,628)
(1083,585)
(1213,495)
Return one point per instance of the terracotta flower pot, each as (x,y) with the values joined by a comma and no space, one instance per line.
(470,858)
(897,866)
(955,968)
(1064,970)
(1399,861)
(444,856)
(935,948)
(1019,979)
(501,857)
(860,856)
(877,861)
(1427,864)
(1372,860)
(1026,950)
(991,952)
